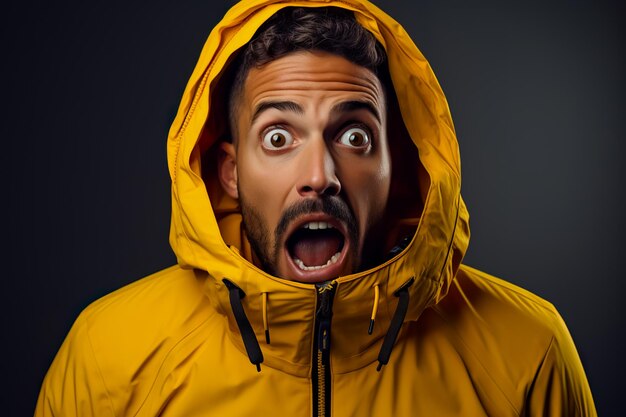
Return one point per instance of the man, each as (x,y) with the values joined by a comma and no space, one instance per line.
(319,230)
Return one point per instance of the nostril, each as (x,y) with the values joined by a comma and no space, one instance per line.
(332,189)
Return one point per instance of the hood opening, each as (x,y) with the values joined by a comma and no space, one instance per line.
(409,182)
(410,179)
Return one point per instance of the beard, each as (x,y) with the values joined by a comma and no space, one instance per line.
(258,233)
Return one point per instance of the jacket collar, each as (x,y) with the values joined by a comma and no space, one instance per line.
(287,310)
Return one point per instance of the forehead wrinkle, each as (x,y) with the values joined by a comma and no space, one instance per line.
(311,83)
(297,97)
(293,76)
(299,85)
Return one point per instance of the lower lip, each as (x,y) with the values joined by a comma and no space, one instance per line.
(319,275)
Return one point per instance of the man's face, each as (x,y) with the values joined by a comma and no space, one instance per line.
(311,165)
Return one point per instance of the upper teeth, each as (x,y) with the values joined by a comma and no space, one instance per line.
(317,225)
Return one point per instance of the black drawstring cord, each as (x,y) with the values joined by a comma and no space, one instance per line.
(396,323)
(250,341)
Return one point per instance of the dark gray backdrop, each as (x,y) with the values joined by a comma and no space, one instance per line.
(536,92)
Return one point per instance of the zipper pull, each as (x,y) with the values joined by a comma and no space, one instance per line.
(325,293)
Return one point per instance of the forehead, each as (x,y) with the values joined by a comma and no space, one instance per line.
(312,76)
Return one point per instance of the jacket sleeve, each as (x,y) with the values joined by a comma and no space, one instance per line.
(560,387)
(73,386)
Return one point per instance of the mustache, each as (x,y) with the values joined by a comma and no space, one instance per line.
(333,206)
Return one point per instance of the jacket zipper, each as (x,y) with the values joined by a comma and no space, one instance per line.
(321,350)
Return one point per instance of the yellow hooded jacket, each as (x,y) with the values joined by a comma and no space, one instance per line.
(448,340)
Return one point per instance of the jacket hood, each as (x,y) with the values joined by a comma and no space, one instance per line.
(206,231)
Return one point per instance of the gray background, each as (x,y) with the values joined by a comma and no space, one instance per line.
(536,91)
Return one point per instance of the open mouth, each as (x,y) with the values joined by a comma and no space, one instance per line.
(317,248)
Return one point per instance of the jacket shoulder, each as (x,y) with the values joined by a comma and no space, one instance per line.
(506,329)
(119,342)
(164,298)
(515,342)
(498,302)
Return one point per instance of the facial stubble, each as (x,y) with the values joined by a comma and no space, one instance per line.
(257,230)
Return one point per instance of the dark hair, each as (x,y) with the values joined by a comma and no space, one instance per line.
(292,29)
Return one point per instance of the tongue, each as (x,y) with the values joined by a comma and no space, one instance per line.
(316,248)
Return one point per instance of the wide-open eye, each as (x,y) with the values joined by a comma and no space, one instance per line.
(355,137)
(276,139)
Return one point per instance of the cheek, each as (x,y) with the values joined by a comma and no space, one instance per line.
(368,190)
(378,190)
(381,183)
(265,186)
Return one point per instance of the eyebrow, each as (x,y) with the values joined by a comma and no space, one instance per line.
(354,105)
(289,106)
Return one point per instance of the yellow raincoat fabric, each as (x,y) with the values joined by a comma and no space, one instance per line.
(169,344)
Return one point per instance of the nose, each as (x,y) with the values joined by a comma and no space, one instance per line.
(317,173)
